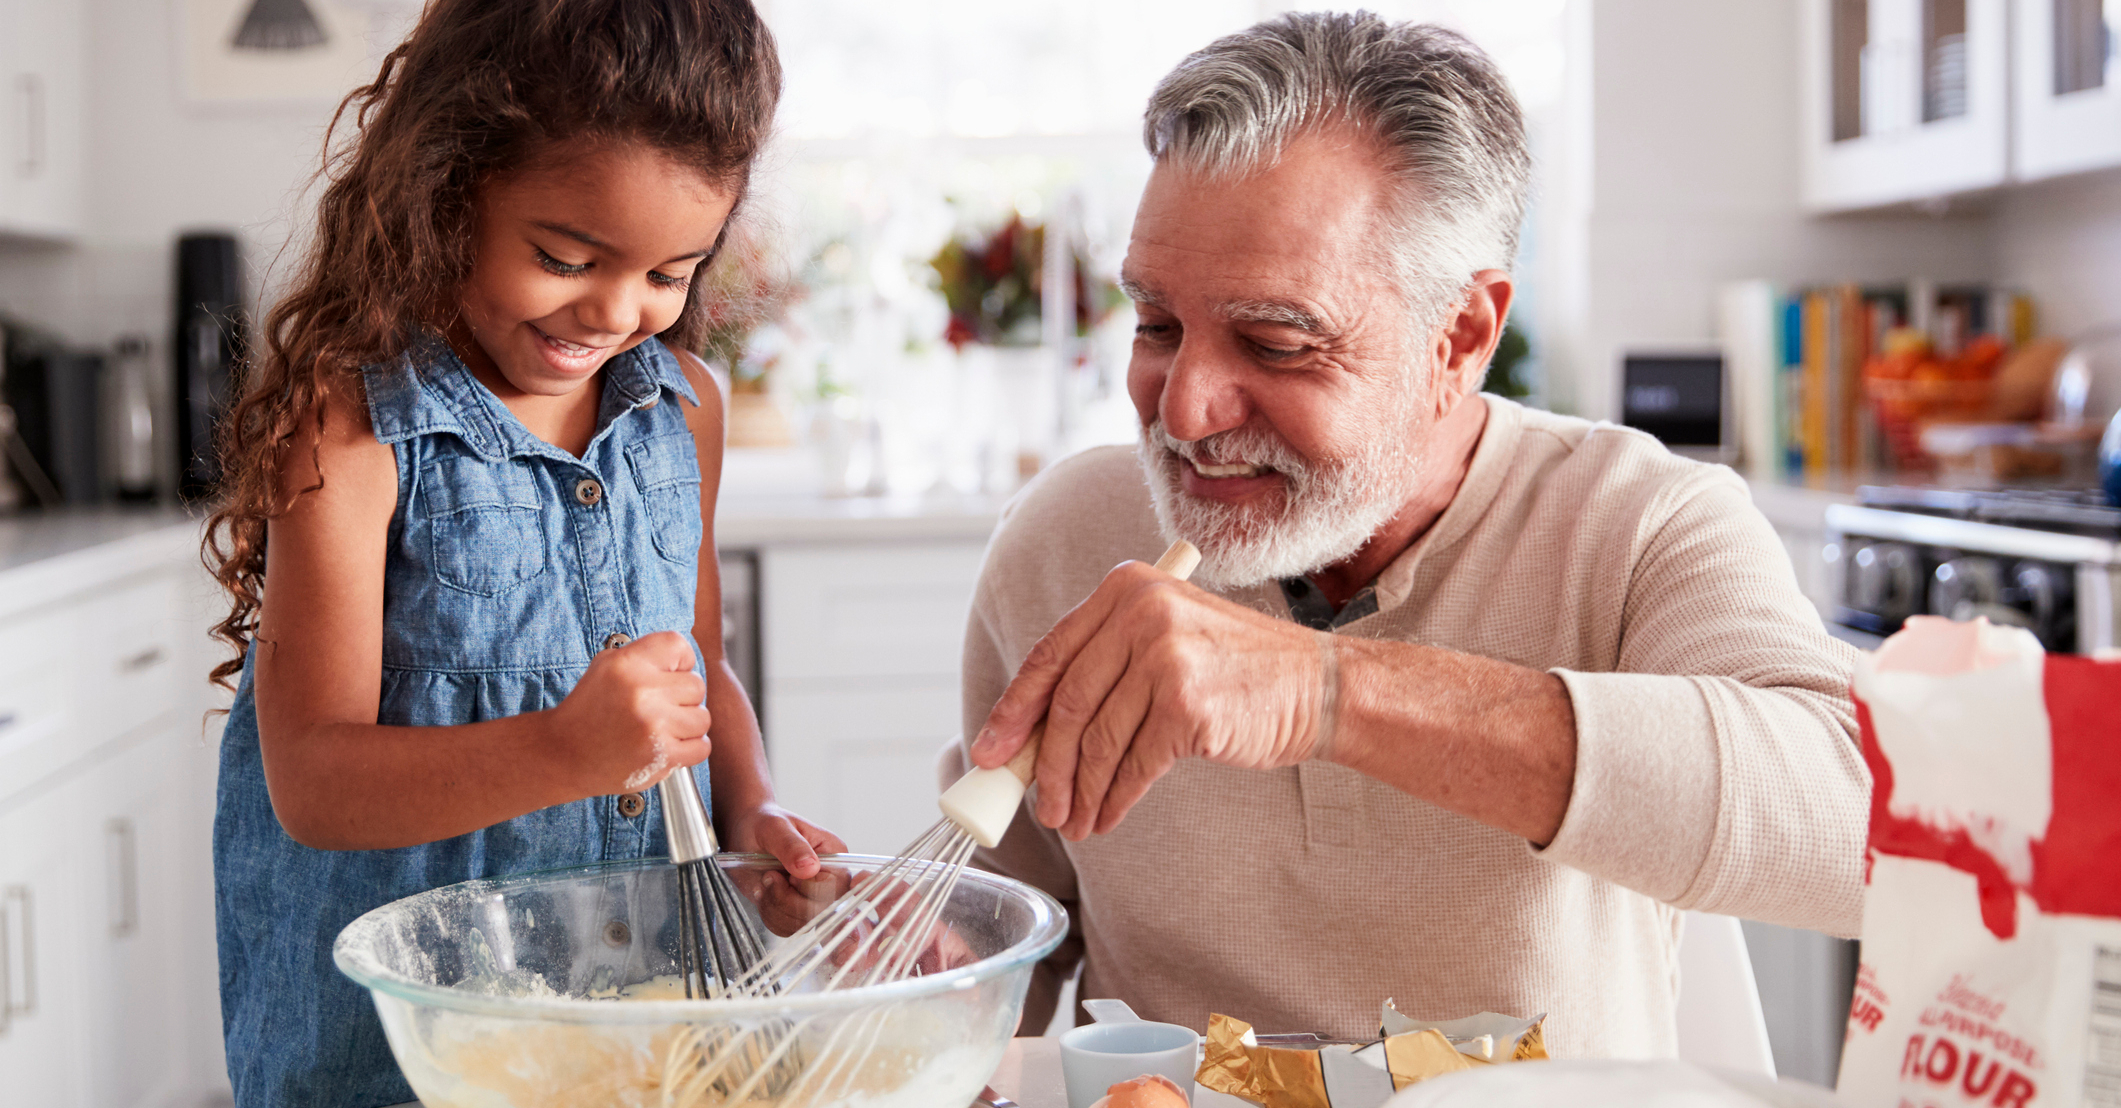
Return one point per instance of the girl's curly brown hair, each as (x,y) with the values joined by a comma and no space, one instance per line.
(477,89)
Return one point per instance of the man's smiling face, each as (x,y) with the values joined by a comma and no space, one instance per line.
(1282,380)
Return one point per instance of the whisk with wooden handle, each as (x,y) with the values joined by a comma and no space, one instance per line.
(885,928)
(880,929)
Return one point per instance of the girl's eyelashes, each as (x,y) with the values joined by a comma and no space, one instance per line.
(656,277)
(558,268)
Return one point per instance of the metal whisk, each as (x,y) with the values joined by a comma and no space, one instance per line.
(879,930)
(885,928)
(718,942)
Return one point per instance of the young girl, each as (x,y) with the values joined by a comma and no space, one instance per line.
(468,495)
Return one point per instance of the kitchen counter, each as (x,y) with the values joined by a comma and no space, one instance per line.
(779,497)
(44,554)
(744,519)
(1793,507)
(758,510)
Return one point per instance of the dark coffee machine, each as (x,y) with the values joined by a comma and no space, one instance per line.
(208,338)
(52,445)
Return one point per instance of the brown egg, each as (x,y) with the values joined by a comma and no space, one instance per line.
(1150,1091)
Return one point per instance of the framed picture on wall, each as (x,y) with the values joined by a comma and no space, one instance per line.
(285,50)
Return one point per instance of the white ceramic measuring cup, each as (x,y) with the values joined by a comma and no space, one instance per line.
(1122,1046)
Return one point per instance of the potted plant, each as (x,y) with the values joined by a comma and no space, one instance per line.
(747,289)
(995,287)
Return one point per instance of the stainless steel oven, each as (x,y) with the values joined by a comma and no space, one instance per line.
(740,622)
(2048,561)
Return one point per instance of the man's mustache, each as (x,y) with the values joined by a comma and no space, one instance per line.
(1238,446)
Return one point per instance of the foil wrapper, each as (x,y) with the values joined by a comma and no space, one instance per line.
(1233,1061)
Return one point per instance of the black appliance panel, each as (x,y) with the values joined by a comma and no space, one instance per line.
(1885,581)
(209,333)
(1678,398)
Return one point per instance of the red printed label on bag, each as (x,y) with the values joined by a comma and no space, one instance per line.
(1991,967)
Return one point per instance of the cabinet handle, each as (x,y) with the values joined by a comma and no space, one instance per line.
(19,895)
(34,139)
(152,656)
(7,719)
(123,849)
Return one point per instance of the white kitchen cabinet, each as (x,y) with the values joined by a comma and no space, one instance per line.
(94,938)
(133,934)
(43,61)
(860,667)
(41,1021)
(1903,100)
(101,830)
(2067,75)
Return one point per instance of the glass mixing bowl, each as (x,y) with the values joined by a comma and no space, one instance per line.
(559,988)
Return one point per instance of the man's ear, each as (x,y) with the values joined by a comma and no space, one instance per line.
(1468,339)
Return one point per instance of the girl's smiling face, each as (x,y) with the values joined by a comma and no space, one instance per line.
(578,260)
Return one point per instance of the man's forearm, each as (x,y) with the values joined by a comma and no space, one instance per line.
(1489,740)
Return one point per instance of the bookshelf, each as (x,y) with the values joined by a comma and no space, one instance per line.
(1833,383)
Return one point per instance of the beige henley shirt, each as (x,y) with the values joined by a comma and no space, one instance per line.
(1716,764)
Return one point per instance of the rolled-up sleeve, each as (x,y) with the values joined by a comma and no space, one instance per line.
(1718,770)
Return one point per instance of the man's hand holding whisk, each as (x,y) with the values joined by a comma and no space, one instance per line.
(1150,670)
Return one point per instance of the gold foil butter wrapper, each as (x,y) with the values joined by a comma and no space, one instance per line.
(1410,1050)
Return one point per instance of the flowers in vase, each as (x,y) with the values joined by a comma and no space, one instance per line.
(995,286)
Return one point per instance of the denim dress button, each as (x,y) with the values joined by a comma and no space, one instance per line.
(632,805)
(616,640)
(588,492)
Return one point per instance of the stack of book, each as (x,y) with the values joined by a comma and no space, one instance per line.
(1831,381)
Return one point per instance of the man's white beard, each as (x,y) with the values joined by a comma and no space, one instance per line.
(1324,513)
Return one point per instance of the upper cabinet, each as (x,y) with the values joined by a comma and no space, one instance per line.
(43,60)
(2068,86)
(1914,100)
(1903,99)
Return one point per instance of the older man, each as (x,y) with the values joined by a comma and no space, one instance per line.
(1465,700)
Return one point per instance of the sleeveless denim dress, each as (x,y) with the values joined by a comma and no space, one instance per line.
(510,564)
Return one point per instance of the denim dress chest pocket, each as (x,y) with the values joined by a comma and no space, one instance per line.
(484,520)
(667,472)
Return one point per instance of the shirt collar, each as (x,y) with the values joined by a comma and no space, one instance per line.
(642,373)
(427,389)
(1309,606)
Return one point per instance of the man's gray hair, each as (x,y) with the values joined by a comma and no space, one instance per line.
(1450,132)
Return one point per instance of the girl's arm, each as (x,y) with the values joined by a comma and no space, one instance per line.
(743,787)
(340,781)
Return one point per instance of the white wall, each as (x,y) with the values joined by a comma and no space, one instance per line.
(1671,167)
(2061,241)
(159,165)
(1682,173)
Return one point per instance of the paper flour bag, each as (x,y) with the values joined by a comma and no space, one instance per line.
(1991,969)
